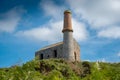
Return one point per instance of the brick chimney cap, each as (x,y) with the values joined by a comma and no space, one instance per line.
(67,11)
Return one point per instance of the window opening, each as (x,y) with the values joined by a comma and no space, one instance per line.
(41,56)
(75,56)
(55,53)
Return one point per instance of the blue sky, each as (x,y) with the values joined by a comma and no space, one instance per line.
(28,25)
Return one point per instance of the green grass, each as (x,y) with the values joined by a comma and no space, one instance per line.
(58,69)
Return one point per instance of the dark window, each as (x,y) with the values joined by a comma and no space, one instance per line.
(41,56)
(75,56)
(48,56)
(55,53)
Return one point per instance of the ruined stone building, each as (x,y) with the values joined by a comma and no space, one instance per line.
(68,49)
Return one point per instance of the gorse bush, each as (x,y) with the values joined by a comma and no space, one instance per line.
(58,69)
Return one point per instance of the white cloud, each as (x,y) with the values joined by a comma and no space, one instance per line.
(103,60)
(112,32)
(49,32)
(102,15)
(51,9)
(87,60)
(118,54)
(10,19)
(52,32)
(79,31)
(99,13)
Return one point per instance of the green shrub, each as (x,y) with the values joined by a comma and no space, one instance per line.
(58,69)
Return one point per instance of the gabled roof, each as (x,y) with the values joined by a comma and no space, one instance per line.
(50,46)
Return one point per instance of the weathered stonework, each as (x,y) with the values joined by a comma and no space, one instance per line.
(76,50)
(52,51)
(49,51)
(69,49)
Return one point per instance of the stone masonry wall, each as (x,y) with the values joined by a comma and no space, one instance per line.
(50,52)
(68,46)
(76,50)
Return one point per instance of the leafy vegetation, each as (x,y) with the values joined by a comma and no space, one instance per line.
(58,69)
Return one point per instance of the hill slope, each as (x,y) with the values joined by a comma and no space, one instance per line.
(57,69)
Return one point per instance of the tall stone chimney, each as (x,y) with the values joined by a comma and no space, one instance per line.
(68,46)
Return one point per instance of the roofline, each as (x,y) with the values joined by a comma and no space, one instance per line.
(50,46)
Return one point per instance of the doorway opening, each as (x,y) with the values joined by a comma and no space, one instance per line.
(41,56)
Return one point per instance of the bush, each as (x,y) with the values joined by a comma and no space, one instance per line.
(58,69)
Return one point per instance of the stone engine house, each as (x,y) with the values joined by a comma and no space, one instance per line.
(68,49)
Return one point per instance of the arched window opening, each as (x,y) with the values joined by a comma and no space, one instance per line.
(75,56)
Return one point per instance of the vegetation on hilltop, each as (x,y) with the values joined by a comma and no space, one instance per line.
(58,69)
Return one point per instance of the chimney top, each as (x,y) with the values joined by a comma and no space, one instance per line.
(67,21)
(67,11)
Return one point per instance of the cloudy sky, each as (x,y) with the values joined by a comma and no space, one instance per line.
(28,25)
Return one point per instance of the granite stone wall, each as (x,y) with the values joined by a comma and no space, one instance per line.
(50,52)
(53,52)
(68,46)
(76,50)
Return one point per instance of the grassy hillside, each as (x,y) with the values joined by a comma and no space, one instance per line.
(57,69)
